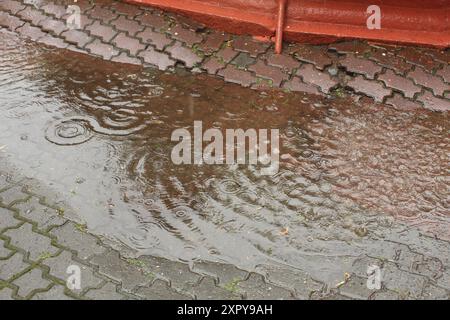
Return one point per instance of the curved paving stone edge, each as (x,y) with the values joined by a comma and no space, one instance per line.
(406,78)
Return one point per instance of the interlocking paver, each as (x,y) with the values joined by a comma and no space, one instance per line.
(255,288)
(160,290)
(53,42)
(188,37)
(106,51)
(7,219)
(30,282)
(226,273)
(226,54)
(106,33)
(212,65)
(434,103)
(312,76)
(214,41)
(356,47)
(6,294)
(102,14)
(312,54)
(123,58)
(361,66)
(401,103)
(242,77)
(4,252)
(32,15)
(44,216)
(112,266)
(296,85)
(296,280)
(371,88)
(11,6)
(402,84)
(83,243)
(444,73)
(31,32)
(54,9)
(129,26)
(185,55)
(356,288)
(34,244)
(250,46)
(153,20)
(126,9)
(436,84)
(158,59)
(125,42)
(59,265)
(389,60)
(12,266)
(53,26)
(55,293)
(76,37)
(208,290)
(156,39)
(405,283)
(243,61)
(107,292)
(275,75)
(10,22)
(283,61)
(418,58)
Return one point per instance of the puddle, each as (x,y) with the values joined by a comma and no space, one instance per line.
(99,133)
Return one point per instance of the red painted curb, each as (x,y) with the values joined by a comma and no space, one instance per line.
(402,21)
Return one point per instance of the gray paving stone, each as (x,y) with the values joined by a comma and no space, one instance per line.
(107,292)
(129,275)
(12,266)
(7,219)
(6,294)
(299,281)
(83,243)
(30,282)
(4,252)
(356,288)
(12,195)
(44,216)
(208,290)
(58,268)
(403,282)
(35,245)
(178,274)
(160,290)
(255,288)
(225,273)
(55,293)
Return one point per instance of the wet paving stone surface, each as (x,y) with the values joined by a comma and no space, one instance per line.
(86,176)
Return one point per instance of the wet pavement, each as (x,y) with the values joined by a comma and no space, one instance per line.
(85,143)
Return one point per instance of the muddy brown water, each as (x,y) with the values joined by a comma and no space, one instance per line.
(99,133)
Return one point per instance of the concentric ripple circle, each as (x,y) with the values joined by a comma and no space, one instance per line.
(69,132)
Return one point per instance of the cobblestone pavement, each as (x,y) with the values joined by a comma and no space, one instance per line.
(38,243)
(39,240)
(403,77)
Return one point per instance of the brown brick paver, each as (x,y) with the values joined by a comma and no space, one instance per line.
(371,88)
(361,66)
(127,33)
(405,85)
(436,84)
(321,79)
